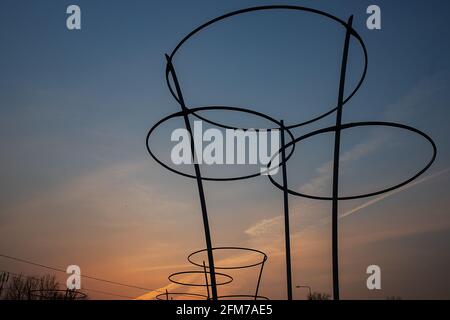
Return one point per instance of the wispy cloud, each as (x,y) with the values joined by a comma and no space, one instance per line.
(172,287)
(270,226)
(390,194)
(323,179)
(418,97)
(316,185)
(265,226)
(108,221)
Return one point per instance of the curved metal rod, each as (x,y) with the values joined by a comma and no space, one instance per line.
(233,296)
(40,293)
(230,279)
(354,125)
(212,108)
(353,32)
(247,266)
(264,259)
(188,294)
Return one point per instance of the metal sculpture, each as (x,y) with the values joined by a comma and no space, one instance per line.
(187,111)
(57,294)
(226,279)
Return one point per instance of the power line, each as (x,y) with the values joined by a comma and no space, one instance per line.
(82,289)
(108,293)
(84,276)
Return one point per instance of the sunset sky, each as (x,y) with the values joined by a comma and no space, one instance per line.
(78,187)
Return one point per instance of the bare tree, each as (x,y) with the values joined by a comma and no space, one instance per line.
(4,277)
(393,298)
(20,287)
(318,296)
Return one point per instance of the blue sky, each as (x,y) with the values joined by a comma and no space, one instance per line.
(78,185)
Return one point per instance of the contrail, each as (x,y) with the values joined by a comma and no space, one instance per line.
(373,201)
(170,288)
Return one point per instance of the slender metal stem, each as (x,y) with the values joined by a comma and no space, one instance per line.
(198,175)
(206,280)
(337,143)
(287,235)
(259,278)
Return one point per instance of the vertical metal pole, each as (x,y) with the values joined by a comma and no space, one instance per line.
(337,142)
(259,278)
(287,235)
(206,280)
(199,183)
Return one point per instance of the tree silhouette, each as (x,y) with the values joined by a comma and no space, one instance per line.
(318,296)
(21,287)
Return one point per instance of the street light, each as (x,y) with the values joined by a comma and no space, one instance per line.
(308,287)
